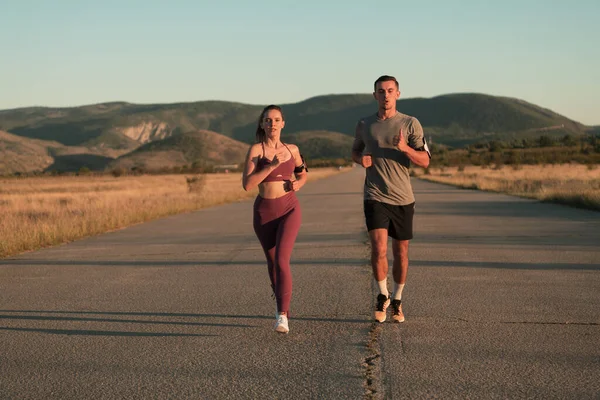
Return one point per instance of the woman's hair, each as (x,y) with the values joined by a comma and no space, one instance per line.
(260,132)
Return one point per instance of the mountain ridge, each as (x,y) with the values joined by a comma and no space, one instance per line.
(118,128)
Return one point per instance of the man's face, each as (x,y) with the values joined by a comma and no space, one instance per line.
(386,94)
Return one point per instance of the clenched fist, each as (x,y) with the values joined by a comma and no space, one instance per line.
(291,186)
(280,157)
(366,160)
(399,142)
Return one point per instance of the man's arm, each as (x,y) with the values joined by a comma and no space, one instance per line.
(418,157)
(357,156)
(358,146)
(414,146)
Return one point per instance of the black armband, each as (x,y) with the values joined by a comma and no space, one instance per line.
(425,148)
(301,167)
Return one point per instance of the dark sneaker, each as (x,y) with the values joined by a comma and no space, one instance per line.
(383,302)
(397,314)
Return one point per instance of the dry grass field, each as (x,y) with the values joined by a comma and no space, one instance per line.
(37,212)
(572,184)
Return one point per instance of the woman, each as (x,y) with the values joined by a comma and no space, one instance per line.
(278,170)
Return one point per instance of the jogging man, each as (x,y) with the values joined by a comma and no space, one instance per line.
(385,144)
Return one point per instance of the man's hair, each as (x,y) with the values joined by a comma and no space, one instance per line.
(385,78)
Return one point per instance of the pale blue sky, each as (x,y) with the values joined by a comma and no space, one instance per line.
(75,52)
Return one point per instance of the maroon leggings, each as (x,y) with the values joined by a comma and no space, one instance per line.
(276,223)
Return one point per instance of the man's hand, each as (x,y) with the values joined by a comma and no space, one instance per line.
(366,160)
(399,142)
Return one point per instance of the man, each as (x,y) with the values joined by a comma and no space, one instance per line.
(385,144)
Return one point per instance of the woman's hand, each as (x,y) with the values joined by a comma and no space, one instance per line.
(291,186)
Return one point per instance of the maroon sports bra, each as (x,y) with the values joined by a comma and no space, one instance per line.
(283,172)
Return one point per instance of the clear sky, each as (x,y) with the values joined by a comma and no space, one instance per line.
(76,52)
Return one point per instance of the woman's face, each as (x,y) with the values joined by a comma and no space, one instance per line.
(272,123)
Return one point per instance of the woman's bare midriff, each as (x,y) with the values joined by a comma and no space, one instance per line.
(273,190)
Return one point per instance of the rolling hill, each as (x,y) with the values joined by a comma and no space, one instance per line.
(21,154)
(320,144)
(594,130)
(449,118)
(202,148)
(323,126)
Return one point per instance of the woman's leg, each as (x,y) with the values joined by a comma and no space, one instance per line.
(267,236)
(286,237)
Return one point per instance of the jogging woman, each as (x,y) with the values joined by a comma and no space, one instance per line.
(279,171)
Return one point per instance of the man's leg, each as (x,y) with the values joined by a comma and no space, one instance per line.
(400,265)
(379,261)
(399,272)
(379,264)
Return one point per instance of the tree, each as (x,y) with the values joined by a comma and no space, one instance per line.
(545,141)
(568,140)
(496,145)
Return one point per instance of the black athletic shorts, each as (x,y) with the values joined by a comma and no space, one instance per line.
(398,220)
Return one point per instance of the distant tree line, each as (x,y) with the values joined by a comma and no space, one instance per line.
(543,149)
(539,150)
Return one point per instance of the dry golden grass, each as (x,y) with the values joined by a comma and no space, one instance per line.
(37,212)
(571,184)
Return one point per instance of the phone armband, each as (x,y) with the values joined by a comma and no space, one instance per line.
(301,167)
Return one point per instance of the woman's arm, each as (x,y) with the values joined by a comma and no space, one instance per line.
(252,178)
(301,170)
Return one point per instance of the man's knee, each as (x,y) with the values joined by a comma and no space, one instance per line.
(379,248)
(379,241)
(400,248)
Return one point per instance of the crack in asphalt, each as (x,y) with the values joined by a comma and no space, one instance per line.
(372,368)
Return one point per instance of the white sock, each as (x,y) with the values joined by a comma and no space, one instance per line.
(383,287)
(398,291)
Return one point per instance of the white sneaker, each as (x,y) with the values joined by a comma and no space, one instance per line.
(281,325)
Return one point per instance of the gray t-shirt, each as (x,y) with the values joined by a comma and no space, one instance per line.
(388,179)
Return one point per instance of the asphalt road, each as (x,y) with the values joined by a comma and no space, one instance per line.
(502,301)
